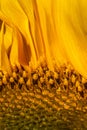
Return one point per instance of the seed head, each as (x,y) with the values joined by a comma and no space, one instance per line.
(28,82)
(35,76)
(21,80)
(48,74)
(77,83)
(40,71)
(55,75)
(79,88)
(11,79)
(42,79)
(24,74)
(84,80)
(5,74)
(14,68)
(14,75)
(4,80)
(51,81)
(73,78)
(65,81)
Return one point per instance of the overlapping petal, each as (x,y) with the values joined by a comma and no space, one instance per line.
(4,61)
(54,30)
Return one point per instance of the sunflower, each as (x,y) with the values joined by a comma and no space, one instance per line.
(43,57)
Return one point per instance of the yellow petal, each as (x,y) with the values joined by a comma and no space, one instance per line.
(8,36)
(40,14)
(13,12)
(34,25)
(20,52)
(74,40)
(4,61)
(55,30)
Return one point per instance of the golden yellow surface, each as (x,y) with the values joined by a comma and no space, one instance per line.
(33,30)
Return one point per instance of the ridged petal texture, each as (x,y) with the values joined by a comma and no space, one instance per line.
(54,30)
